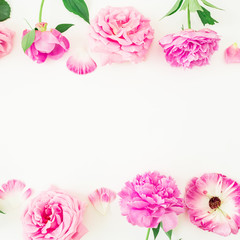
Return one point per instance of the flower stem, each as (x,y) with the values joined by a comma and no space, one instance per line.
(189,17)
(41,9)
(148,233)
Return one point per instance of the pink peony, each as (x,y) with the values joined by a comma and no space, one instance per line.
(121,35)
(232,54)
(47,44)
(213,203)
(54,215)
(6,41)
(150,199)
(190,48)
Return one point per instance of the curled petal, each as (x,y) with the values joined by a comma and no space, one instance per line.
(232,54)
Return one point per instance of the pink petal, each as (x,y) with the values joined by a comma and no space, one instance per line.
(232,54)
(169,221)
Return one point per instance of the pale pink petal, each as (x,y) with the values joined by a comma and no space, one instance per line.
(169,221)
(232,54)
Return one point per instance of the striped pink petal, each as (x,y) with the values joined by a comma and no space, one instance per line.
(101,198)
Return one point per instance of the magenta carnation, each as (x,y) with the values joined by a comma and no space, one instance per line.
(150,199)
(54,215)
(213,203)
(121,35)
(190,48)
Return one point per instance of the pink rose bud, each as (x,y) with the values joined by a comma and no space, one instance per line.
(232,54)
(6,41)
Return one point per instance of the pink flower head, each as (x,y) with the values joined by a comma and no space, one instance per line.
(213,203)
(151,198)
(101,198)
(6,41)
(190,48)
(47,44)
(121,35)
(232,54)
(54,215)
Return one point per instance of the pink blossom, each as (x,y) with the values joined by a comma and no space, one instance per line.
(232,54)
(213,203)
(151,198)
(190,48)
(54,214)
(47,44)
(6,41)
(121,35)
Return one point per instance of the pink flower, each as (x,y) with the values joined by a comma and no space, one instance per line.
(213,203)
(121,35)
(101,198)
(47,44)
(6,41)
(190,48)
(54,215)
(232,54)
(150,199)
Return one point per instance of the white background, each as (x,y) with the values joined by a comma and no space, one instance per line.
(84,132)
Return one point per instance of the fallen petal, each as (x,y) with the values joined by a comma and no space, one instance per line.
(232,54)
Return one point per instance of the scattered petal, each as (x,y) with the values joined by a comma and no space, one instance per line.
(232,54)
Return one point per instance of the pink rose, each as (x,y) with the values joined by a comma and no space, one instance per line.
(47,44)
(190,48)
(6,41)
(120,35)
(232,54)
(54,215)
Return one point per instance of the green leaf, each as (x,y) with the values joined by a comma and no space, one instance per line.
(5,10)
(169,234)
(156,231)
(28,40)
(63,27)
(175,8)
(1,212)
(205,17)
(78,7)
(210,5)
(194,6)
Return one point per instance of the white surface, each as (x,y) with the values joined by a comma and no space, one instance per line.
(84,132)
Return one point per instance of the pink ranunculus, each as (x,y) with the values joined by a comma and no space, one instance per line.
(150,199)
(213,203)
(47,44)
(6,41)
(190,48)
(121,35)
(232,54)
(56,215)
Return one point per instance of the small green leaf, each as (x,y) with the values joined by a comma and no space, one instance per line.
(78,7)
(5,10)
(175,8)
(210,5)
(205,17)
(63,27)
(169,234)
(1,212)
(194,6)
(156,231)
(28,40)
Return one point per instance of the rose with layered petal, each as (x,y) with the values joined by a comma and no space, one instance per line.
(232,54)
(6,41)
(213,203)
(190,48)
(56,215)
(151,198)
(50,44)
(121,35)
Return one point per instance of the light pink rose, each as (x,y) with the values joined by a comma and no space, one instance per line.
(47,44)
(190,48)
(54,215)
(6,41)
(121,35)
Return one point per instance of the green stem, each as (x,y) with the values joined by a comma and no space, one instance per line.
(148,233)
(41,9)
(189,17)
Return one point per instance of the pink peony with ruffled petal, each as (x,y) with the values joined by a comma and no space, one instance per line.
(151,198)
(121,35)
(6,41)
(190,48)
(213,203)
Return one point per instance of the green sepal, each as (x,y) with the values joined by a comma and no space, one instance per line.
(63,27)
(175,8)
(205,17)
(28,40)
(156,230)
(78,7)
(210,5)
(194,6)
(5,10)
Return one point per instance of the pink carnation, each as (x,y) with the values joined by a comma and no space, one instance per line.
(213,203)
(190,48)
(121,35)
(150,199)
(47,44)
(6,41)
(54,215)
